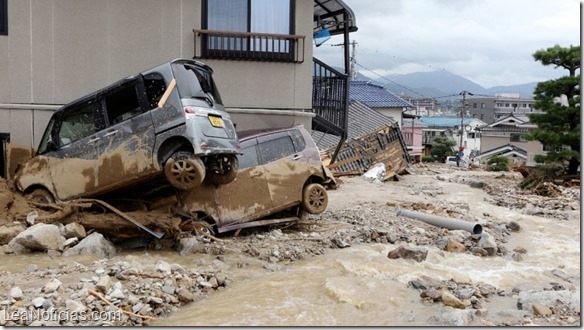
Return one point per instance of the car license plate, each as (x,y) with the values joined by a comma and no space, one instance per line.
(216,121)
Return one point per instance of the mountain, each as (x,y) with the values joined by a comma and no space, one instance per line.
(443,84)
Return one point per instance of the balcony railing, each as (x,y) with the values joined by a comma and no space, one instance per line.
(329,98)
(249,46)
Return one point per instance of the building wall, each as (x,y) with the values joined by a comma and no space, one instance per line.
(59,50)
(494,140)
(394,113)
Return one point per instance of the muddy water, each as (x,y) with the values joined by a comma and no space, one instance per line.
(361,286)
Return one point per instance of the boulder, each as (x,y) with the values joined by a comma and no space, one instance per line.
(7,233)
(74,229)
(408,253)
(185,296)
(449,299)
(527,299)
(488,243)
(513,226)
(16,293)
(103,284)
(52,286)
(187,245)
(75,306)
(40,237)
(454,246)
(539,309)
(94,244)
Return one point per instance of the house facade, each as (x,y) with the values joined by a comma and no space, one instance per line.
(506,137)
(450,127)
(55,51)
(413,132)
(380,99)
(491,109)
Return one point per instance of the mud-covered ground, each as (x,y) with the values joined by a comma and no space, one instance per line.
(138,285)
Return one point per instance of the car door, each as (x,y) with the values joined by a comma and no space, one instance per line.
(73,159)
(125,145)
(247,197)
(285,167)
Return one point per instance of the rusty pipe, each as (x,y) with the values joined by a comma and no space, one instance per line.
(448,223)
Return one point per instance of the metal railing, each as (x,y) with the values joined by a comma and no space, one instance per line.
(329,98)
(249,46)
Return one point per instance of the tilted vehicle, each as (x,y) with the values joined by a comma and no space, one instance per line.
(169,119)
(279,170)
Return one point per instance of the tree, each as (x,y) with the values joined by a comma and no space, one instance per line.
(559,124)
(442,147)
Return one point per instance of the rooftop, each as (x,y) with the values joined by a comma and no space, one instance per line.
(375,96)
(444,121)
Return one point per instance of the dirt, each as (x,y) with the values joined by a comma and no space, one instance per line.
(359,212)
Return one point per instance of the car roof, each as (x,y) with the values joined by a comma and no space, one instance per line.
(253,133)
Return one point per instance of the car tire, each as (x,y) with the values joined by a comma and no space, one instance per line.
(42,196)
(314,198)
(184,171)
(228,176)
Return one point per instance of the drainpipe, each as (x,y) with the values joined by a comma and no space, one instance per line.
(448,223)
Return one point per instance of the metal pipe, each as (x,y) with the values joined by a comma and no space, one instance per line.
(448,223)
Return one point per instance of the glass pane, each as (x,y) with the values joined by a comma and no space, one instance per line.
(227,15)
(77,125)
(271,16)
(275,149)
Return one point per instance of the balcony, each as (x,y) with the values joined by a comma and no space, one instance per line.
(329,99)
(245,46)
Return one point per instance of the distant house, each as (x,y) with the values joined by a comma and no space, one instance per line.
(506,137)
(450,127)
(413,131)
(378,98)
(491,109)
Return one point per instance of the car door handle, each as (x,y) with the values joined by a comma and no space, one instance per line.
(93,140)
(110,133)
(255,174)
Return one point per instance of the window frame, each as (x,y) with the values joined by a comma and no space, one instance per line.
(266,55)
(4,17)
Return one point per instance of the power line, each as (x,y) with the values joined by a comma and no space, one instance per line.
(391,81)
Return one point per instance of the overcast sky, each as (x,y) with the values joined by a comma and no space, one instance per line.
(490,42)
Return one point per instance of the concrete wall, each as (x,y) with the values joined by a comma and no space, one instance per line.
(59,50)
(493,140)
(394,113)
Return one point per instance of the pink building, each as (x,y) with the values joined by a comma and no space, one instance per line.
(412,132)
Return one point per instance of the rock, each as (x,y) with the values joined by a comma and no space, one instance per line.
(539,309)
(449,299)
(481,312)
(526,299)
(408,253)
(74,229)
(533,211)
(561,274)
(432,294)
(517,257)
(117,294)
(185,296)
(16,293)
(6,200)
(513,226)
(38,302)
(520,250)
(464,293)
(75,306)
(15,248)
(7,233)
(94,244)
(187,245)
(340,243)
(54,253)
(103,284)
(488,243)
(213,281)
(52,286)
(416,284)
(168,289)
(454,246)
(163,267)
(155,301)
(477,184)
(40,237)
(221,277)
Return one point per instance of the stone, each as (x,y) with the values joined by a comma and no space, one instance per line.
(137,307)
(213,281)
(6,200)
(75,306)
(40,237)
(104,284)
(526,299)
(477,184)
(71,242)
(52,286)
(517,257)
(481,312)
(188,245)
(221,277)
(513,226)
(117,294)
(341,244)
(155,301)
(520,250)
(94,244)
(185,296)
(7,233)
(488,243)
(432,294)
(539,309)
(416,284)
(16,293)
(449,299)
(561,274)
(38,302)
(454,246)
(464,293)
(408,253)
(170,289)
(74,229)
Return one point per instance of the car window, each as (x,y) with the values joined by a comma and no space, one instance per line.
(47,136)
(272,150)
(298,139)
(249,158)
(194,81)
(155,88)
(76,124)
(122,104)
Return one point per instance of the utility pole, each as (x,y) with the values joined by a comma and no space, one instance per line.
(353,59)
(462,112)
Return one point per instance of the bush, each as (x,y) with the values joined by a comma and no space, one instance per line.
(498,164)
(429,159)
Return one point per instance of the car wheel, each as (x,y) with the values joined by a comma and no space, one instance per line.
(184,171)
(42,196)
(314,198)
(230,166)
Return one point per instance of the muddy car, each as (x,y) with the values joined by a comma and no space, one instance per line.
(168,120)
(278,170)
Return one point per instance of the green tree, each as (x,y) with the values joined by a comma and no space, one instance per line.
(442,147)
(559,124)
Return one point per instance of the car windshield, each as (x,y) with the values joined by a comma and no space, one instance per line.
(194,81)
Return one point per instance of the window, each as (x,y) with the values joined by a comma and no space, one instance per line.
(299,143)
(77,124)
(275,149)
(482,105)
(155,88)
(474,105)
(516,137)
(249,158)
(4,17)
(248,16)
(470,135)
(122,104)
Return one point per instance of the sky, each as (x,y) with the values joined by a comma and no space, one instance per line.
(490,42)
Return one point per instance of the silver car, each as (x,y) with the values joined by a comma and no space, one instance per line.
(167,120)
